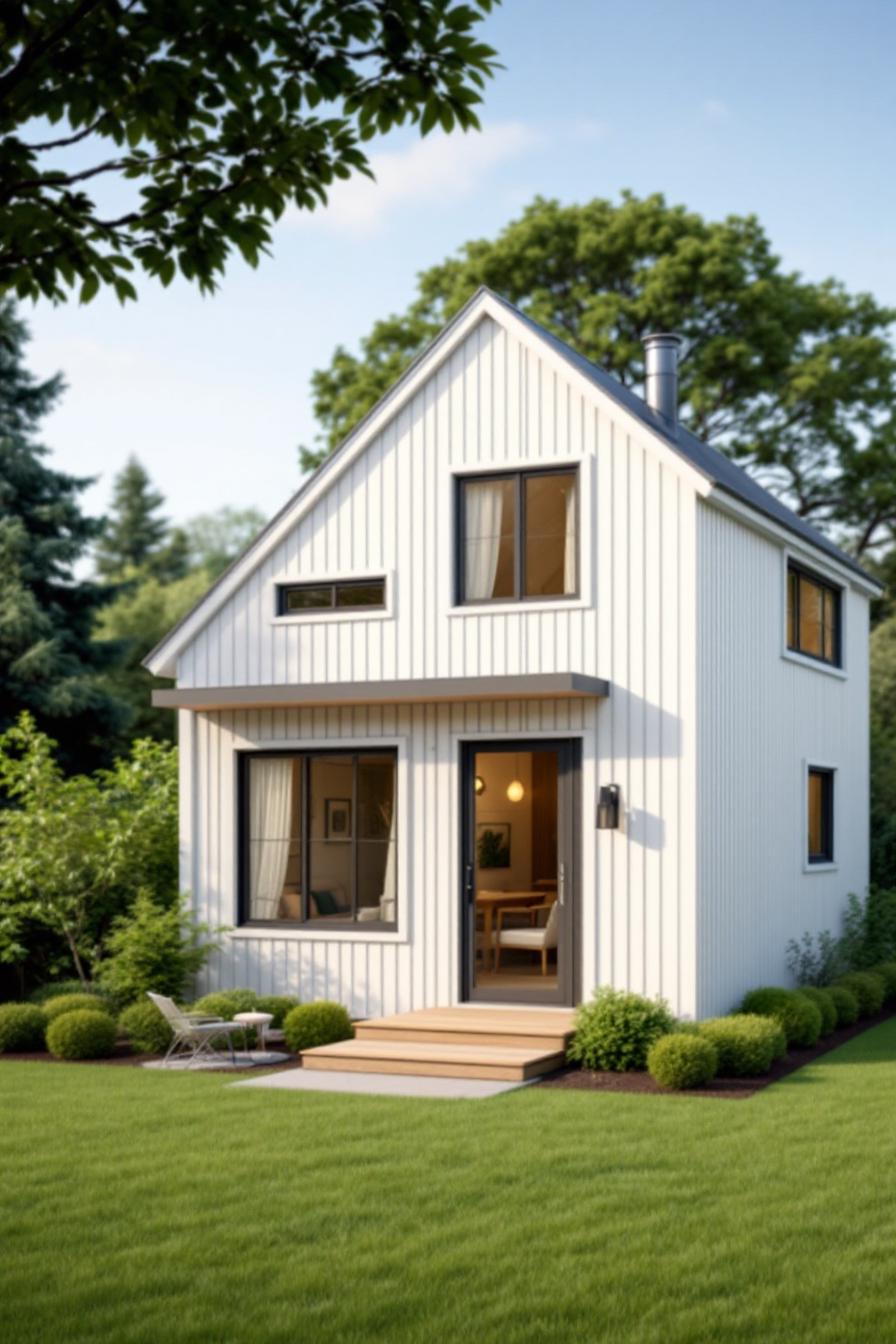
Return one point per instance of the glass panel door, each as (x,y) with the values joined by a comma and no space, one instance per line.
(518,880)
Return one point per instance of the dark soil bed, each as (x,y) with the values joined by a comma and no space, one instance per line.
(730,1089)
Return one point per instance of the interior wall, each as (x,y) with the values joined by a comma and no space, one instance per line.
(498,770)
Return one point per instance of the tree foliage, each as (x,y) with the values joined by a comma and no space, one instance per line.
(883,753)
(75,849)
(794,379)
(136,535)
(49,662)
(185,129)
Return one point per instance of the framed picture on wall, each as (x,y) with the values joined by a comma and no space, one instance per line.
(493,844)
(338,819)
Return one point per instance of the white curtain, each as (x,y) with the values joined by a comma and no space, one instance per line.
(270,799)
(388,898)
(569,550)
(482,526)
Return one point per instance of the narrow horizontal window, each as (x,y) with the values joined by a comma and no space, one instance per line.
(518,536)
(341,595)
(813,616)
(318,837)
(820,813)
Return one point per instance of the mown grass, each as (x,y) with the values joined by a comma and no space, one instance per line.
(138,1207)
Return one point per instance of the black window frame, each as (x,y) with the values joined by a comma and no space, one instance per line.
(826,854)
(801,572)
(244,919)
(284,589)
(519,477)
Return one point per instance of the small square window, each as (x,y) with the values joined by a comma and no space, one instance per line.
(519,536)
(820,815)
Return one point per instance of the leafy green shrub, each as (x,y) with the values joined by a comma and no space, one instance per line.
(145,1028)
(225,1002)
(869,929)
(800,1018)
(846,1003)
(72,1003)
(682,1059)
(59,987)
(887,972)
(153,947)
(868,988)
(825,1004)
(746,1043)
(815,959)
(278,1005)
(320,1023)
(82,1034)
(22,1027)
(615,1030)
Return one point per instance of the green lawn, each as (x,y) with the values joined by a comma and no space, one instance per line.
(137,1206)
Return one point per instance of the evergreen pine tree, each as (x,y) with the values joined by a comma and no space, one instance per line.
(136,536)
(48,661)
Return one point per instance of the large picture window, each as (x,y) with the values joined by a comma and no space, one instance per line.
(318,838)
(813,616)
(518,536)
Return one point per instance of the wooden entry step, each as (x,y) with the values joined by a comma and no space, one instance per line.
(509,1045)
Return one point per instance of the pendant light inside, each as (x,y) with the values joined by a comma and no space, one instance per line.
(515,790)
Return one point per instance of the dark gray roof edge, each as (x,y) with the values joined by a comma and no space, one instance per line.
(414,690)
(710,462)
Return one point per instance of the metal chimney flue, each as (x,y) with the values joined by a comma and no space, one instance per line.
(661,369)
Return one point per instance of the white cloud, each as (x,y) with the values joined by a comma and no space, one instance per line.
(715,111)
(439,168)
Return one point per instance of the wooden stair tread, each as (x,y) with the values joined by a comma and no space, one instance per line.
(417,1050)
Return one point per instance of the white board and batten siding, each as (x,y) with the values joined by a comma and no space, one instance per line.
(496,401)
(764,717)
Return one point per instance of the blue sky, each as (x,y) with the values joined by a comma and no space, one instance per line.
(783,108)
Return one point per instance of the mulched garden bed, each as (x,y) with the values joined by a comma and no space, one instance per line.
(729,1089)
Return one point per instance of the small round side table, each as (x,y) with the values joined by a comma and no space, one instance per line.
(259,1020)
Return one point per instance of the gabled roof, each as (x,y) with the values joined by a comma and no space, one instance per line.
(709,463)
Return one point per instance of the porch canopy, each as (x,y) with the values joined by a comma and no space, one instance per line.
(419,690)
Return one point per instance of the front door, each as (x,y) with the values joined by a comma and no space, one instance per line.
(519,887)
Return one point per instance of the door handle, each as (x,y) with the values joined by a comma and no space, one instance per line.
(561,884)
(468,881)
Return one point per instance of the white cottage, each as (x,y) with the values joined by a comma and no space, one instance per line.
(526,690)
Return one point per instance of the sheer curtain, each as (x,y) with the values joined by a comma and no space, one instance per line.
(387,900)
(483,502)
(270,798)
(569,549)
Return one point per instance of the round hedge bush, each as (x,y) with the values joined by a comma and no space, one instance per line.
(22,1027)
(57,988)
(320,1023)
(682,1059)
(225,1003)
(887,972)
(278,1005)
(146,1029)
(868,988)
(615,1029)
(82,1033)
(72,1003)
(800,1018)
(826,1006)
(747,1044)
(846,1003)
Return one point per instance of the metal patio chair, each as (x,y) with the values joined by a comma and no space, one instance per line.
(194,1034)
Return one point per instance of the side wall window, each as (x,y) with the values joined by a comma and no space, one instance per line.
(813,616)
(318,838)
(820,813)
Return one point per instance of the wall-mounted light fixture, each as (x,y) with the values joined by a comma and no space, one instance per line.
(479,785)
(608,807)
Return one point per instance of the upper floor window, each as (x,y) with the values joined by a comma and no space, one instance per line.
(341,595)
(813,616)
(518,536)
(318,838)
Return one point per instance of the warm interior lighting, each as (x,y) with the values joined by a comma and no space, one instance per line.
(515,791)
(479,784)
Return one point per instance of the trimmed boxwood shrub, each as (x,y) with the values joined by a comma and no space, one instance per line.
(615,1029)
(83,1033)
(22,1027)
(682,1059)
(887,972)
(57,988)
(825,1004)
(71,1003)
(747,1044)
(225,1002)
(868,988)
(846,1003)
(277,1004)
(800,1018)
(320,1023)
(146,1029)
